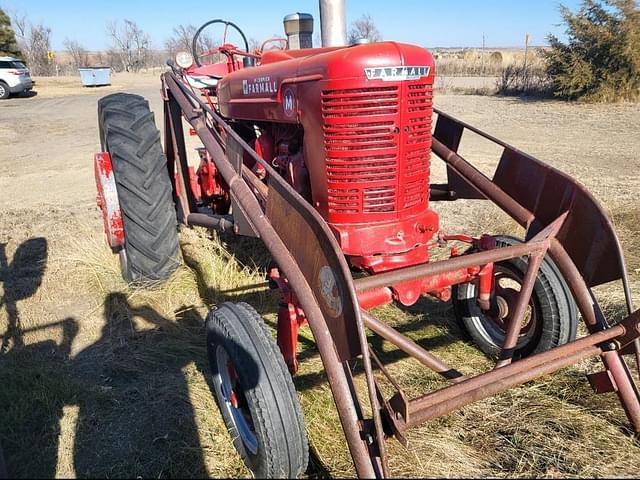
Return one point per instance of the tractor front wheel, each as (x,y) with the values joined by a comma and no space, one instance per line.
(550,319)
(255,393)
(129,134)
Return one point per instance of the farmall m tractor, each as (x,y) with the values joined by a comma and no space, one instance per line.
(324,154)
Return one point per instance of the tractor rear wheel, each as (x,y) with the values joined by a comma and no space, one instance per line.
(129,134)
(550,319)
(255,393)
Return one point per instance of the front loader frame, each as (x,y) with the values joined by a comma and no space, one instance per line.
(557,213)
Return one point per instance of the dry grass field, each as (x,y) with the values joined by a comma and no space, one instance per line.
(98,379)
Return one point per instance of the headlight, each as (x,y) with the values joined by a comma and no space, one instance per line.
(184,59)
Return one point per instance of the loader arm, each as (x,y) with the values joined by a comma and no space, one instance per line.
(307,252)
(534,195)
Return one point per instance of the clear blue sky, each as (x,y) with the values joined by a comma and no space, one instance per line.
(429,23)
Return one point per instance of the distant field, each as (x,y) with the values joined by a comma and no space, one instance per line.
(98,379)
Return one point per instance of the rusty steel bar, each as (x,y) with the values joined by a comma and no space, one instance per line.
(588,308)
(411,348)
(631,323)
(627,392)
(457,263)
(484,185)
(625,387)
(497,141)
(175,151)
(591,313)
(222,223)
(515,325)
(636,345)
(261,190)
(333,367)
(420,413)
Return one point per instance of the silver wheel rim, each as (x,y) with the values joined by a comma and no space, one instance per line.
(224,387)
(485,327)
(2,91)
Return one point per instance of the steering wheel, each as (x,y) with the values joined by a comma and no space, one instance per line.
(196,37)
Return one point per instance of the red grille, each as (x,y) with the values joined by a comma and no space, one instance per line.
(377,148)
(417,144)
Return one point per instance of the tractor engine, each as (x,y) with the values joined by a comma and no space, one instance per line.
(350,129)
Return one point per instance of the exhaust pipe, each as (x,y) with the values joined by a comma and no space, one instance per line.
(333,23)
(299,30)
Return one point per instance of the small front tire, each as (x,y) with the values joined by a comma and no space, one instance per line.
(255,393)
(551,318)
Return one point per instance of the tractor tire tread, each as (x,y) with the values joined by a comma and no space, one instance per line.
(129,134)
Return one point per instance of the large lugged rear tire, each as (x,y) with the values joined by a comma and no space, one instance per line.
(255,393)
(552,317)
(129,134)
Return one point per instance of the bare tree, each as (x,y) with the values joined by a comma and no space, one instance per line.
(181,39)
(253,44)
(364,28)
(113,59)
(79,55)
(130,44)
(20,22)
(35,43)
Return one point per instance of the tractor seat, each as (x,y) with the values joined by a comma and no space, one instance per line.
(201,81)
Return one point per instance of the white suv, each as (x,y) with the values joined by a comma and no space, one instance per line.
(14,77)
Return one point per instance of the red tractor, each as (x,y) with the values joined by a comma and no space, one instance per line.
(324,154)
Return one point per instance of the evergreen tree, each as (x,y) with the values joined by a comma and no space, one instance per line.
(601,59)
(8,44)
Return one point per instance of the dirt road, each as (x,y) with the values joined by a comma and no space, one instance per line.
(70,377)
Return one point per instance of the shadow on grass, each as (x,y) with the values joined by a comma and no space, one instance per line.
(248,252)
(135,379)
(134,414)
(33,393)
(21,277)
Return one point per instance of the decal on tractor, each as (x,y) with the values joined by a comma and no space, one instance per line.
(289,103)
(330,291)
(397,74)
(259,86)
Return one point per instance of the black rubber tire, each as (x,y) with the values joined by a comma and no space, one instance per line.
(4,91)
(267,389)
(3,466)
(129,133)
(557,317)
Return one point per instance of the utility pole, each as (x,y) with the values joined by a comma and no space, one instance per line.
(527,39)
(483,47)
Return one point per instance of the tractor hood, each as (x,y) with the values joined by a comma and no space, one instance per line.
(260,93)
